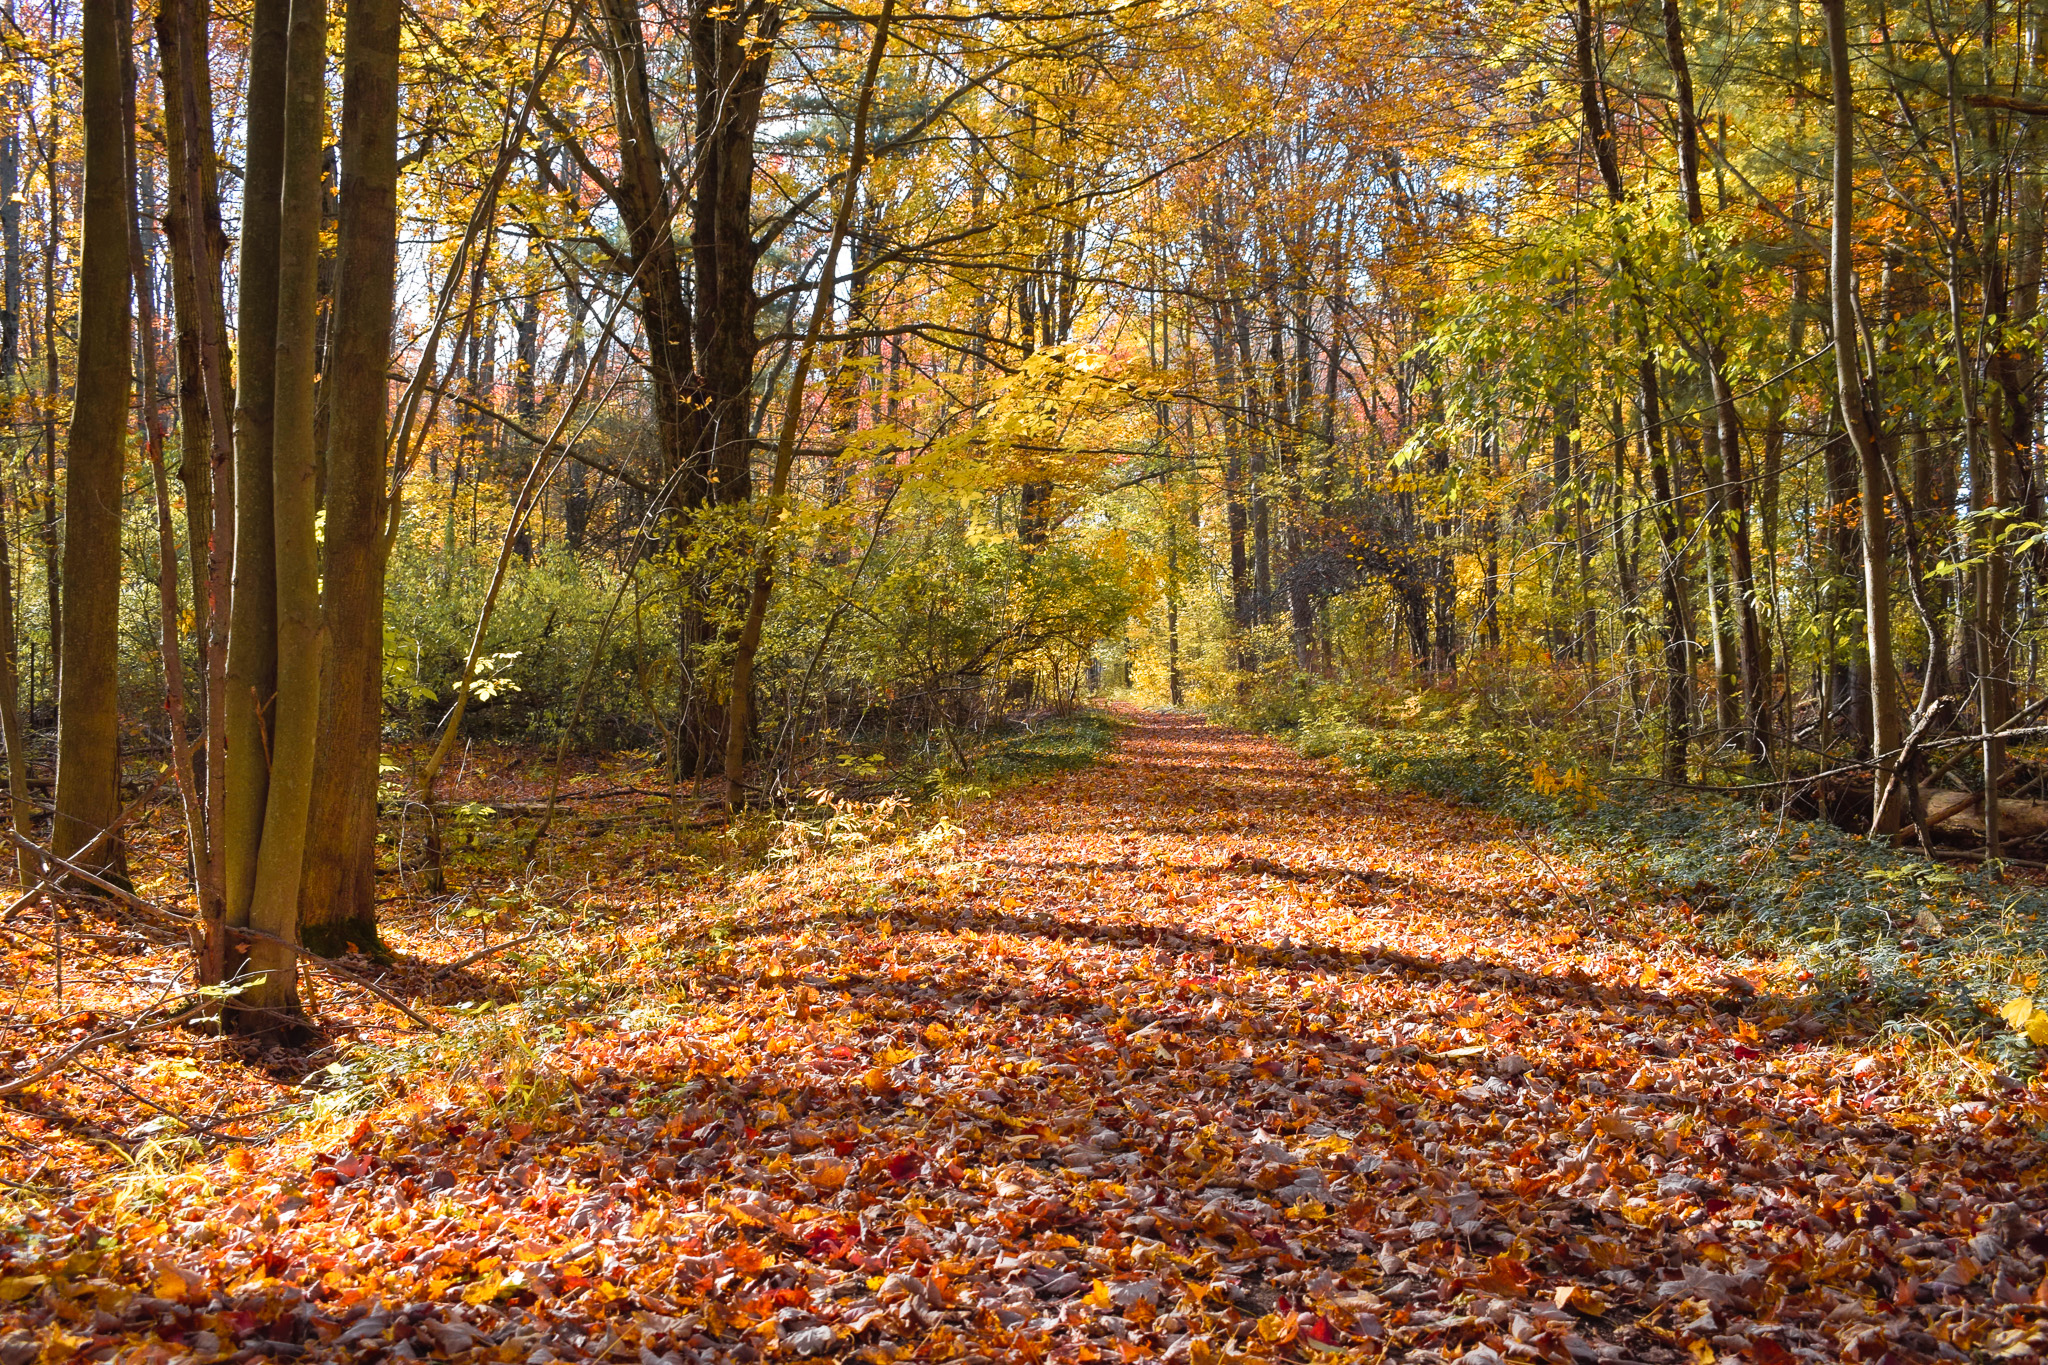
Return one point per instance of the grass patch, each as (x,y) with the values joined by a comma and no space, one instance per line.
(1045,747)
(1876,935)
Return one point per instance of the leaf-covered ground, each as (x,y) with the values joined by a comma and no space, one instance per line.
(1201,1053)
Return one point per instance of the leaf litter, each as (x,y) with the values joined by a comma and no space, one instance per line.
(1203,1053)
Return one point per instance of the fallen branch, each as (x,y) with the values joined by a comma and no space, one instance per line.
(482,953)
(98,1040)
(129,812)
(2017,106)
(129,898)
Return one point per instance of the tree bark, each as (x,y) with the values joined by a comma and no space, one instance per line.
(295,471)
(142,273)
(252,629)
(88,714)
(198,245)
(21,813)
(338,903)
(1884,694)
(207,422)
(1666,513)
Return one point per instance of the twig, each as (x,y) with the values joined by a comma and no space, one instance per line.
(192,1124)
(97,1040)
(483,953)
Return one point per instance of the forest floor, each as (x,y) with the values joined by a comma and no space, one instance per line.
(1204,1052)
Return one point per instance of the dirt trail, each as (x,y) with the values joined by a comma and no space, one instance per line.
(1198,1054)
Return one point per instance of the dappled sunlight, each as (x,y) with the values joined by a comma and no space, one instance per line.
(1040,1083)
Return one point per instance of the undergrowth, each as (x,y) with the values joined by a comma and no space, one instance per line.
(1879,937)
(587,968)
(1009,751)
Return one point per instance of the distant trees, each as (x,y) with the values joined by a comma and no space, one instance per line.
(767,386)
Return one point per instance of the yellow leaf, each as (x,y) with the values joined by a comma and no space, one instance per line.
(14,1288)
(1649,976)
(484,1290)
(174,1282)
(62,1345)
(1580,1299)
(1279,1328)
(2017,1011)
(938,1035)
(2037,1028)
(1098,1297)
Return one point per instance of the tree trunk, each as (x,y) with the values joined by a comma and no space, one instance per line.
(252,626)
(1223,356)
(740,720)
(142,272)
(88,738)
(198,245)
(338,904)
(295,471)
(1666,513)
(1845,558)
(1729,503)
(10,236)
(1877,606)
(21,814)
(50,537)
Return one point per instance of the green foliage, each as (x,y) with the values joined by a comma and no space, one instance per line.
(546,628)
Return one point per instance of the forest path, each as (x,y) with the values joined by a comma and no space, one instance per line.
(1201,1053)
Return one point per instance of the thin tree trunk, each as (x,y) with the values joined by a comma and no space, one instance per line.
(251,682)
(1729,504)
(1667,513)
(142,273)
(191,224)
(198,247)
(740,718)
(294,472)
(1877,606)
(21,813)
(51,537)
(20,809)
(1845,558)
(10,235)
